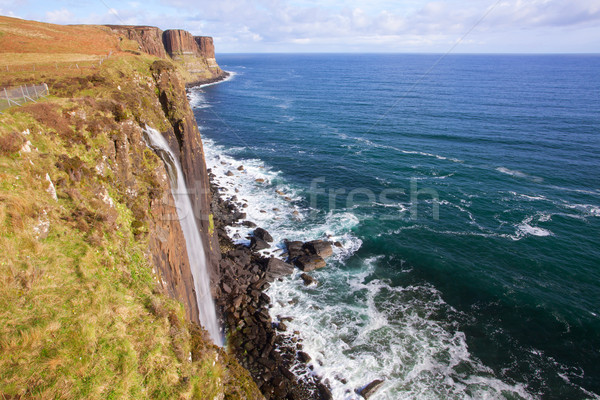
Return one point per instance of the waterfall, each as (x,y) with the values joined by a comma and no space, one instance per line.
(195,249)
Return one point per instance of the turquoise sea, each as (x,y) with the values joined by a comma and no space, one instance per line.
(465,191)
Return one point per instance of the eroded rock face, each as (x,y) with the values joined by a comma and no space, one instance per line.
(206,46)
(179,42)
(185,141)
(149,38)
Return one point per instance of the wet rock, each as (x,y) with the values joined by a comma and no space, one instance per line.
(240,168)
(304,357)
(229,173)
(259,180)
(277,268)
(338,244)
(282,327)
(257,244)
(324,391)
(249,224)
(309,263)
(320,248)
(371,388)
(308,280)
(294,249)
(263,234)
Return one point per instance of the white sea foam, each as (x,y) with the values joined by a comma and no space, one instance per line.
(227,78)
(367,330)
(519,174)
(525,228)
(586,209)
(275,205)
(420,153)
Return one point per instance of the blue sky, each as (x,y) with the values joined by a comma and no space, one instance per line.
(478,26)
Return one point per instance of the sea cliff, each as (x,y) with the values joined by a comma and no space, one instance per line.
(97,293)
(86,197)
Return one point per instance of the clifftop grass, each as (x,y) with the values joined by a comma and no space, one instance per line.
(81,314)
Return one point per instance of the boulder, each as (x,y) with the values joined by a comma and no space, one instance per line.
(309,263)
(304,357)
(263,235)
(320,248)
(294,249)
(371,388)
(277,268)
(257,244)
(308,280)
(249,224)
(229,173)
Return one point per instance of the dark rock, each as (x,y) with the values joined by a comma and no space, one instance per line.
(226,288)
(309,263)
(277,268)
(257,244)
(263,234)
(240,168)
(249,224)
(229,173)
(320,248)
(324,391)
(304,357)
(282,327)
(371,388)
(287,373)
(308,280)
(338,244)
(294,249)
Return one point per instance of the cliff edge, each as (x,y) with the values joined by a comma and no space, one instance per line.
(97,292)
(195,54)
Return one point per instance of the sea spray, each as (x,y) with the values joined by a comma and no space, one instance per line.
(195,249)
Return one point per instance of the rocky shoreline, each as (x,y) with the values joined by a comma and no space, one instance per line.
(208,81)
(253,337)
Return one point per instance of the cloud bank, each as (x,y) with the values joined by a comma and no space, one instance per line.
(354,25)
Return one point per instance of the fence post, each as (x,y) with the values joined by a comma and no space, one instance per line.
(36,93)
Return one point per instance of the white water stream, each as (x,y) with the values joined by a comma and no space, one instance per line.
(195,249)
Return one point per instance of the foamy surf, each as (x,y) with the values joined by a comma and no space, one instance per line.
(355,327)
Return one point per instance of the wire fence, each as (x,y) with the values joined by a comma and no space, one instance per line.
(16,96)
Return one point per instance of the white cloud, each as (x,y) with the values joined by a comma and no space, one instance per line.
(62,16)
(354,25)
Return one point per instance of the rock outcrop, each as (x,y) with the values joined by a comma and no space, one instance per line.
(179,42)
(195,53)
(149,38)
(206,46)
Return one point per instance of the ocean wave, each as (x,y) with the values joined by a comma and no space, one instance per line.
(227,78)
(420,153)
(271,203)
(367,329)
(586,209)
(519,174)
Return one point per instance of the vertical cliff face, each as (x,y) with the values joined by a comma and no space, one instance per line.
(179,42)
(149,38)
(206,46)
(196,54)
(185,140)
